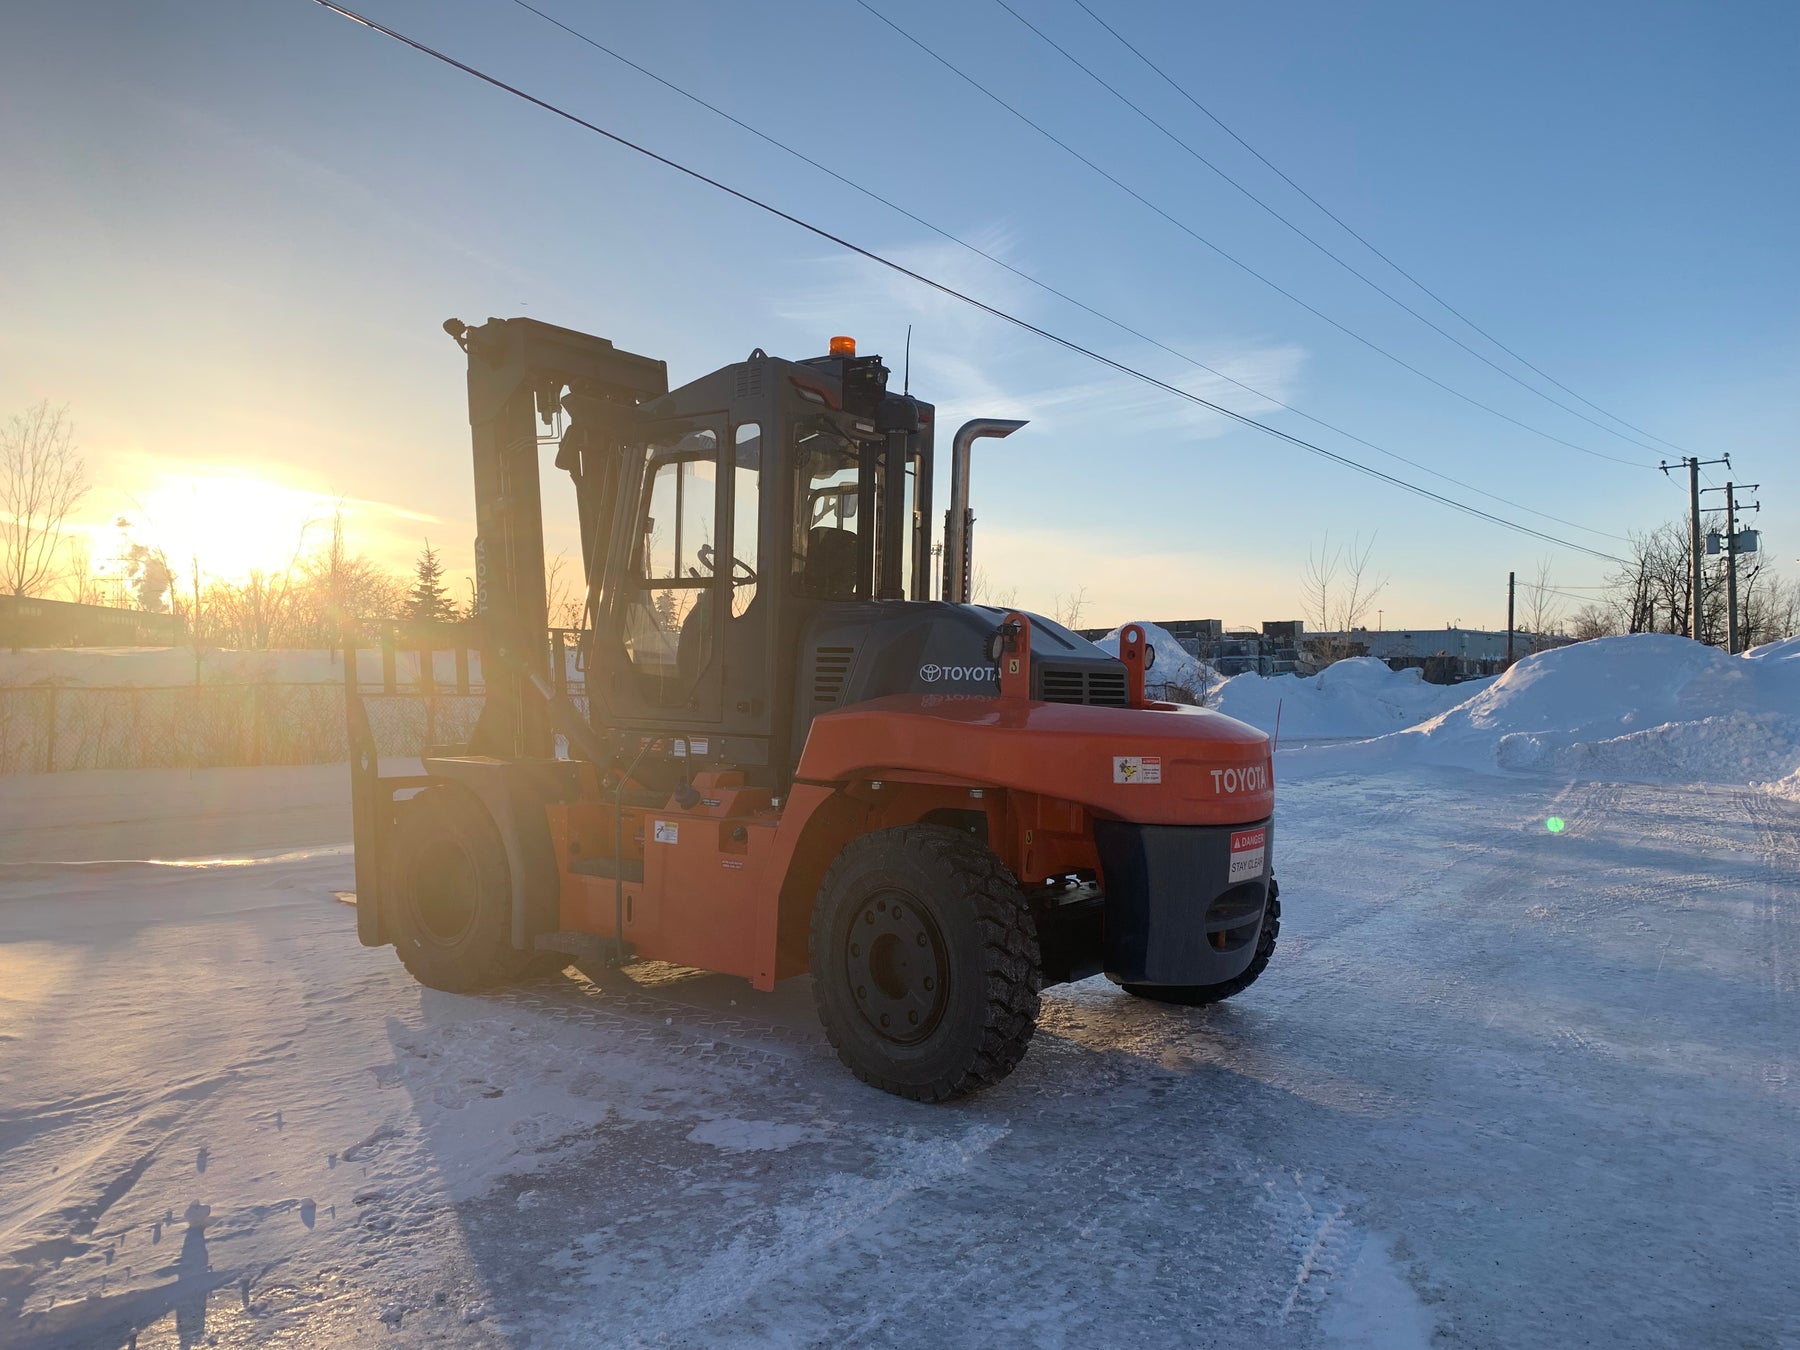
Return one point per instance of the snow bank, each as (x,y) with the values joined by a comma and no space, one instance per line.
(163,667)
(1173,664)
(1782,649)
(156,667)
(1642,708)
(1351,699)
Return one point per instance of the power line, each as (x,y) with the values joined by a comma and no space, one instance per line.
(1245,267)
(902,270)
(1361,276)
(1343,225)
(979,252)
(1567,595)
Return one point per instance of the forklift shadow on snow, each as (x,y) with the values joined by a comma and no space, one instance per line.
(702,1167)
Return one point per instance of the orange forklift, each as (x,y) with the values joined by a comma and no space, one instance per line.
(791,758)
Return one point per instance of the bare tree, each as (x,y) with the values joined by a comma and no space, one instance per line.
(1653,590)
(1593,621)
(78,582)
(1542,611)
(255,613)
(983,590)
(1768,607)
(339,590)
(42,479)
(1337,589)
(1069,608)
(566,601)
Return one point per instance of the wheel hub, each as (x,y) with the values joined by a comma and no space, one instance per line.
(445,894)
(896,961)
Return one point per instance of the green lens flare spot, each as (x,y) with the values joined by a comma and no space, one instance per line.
(1554,825)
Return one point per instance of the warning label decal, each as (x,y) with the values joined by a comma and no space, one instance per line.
(1137,768)
(667,832)
(1249,849)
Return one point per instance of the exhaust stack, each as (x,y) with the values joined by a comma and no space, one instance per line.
(959,522)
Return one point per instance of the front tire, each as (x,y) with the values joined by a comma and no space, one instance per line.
(925,963)
(448,893)
(1199,995)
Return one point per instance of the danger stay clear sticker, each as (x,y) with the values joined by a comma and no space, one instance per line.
(1248,850)
(1137,768)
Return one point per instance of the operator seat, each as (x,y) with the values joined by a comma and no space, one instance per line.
(830,572)
(693,648)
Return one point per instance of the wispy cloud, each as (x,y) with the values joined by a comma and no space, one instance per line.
(969,363)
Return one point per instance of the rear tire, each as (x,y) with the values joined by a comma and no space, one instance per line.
(925,963)
(448,894)
(1199,995)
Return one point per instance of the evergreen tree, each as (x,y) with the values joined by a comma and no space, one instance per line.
(428,600)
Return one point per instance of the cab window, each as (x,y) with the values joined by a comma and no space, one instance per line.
(827,540)
(668,627)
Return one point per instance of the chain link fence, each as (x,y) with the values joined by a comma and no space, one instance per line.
(55,729)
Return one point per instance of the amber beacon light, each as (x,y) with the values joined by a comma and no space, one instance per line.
(843,346)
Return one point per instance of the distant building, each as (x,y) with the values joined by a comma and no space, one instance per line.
(1445,655)
(1273,651)
(27,621)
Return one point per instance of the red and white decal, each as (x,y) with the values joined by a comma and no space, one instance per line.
(1248,850)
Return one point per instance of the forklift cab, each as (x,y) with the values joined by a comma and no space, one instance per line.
(750,500)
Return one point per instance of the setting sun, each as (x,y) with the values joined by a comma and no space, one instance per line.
(231,524)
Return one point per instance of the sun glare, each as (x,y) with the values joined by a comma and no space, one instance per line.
(231,524)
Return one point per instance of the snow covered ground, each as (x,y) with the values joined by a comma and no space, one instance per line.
(1501,1086)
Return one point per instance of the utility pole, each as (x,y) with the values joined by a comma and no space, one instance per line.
(1696,583)
(1512,581)
(1731,552)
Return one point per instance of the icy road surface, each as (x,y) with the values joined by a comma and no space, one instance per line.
(1499,1088)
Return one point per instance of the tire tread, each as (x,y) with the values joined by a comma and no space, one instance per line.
(1011,972)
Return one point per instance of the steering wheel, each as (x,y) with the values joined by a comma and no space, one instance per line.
(742,574)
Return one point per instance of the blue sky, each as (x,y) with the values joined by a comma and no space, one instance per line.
(243,224)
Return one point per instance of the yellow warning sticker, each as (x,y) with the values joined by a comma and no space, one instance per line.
(1137,768)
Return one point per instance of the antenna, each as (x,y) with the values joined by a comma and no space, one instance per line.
(906,372)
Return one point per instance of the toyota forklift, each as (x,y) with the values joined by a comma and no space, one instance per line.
(791,758)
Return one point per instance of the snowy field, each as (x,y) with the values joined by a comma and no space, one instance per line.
(1500,1087)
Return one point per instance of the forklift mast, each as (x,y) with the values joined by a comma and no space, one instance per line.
(522,374)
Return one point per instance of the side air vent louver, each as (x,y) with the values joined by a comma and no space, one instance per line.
(1078,684)
(1107,688)
(749,379)
(831,666)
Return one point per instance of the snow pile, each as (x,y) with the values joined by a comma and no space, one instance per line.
(1647,707)
(164,667)
(1783,663)
(1352,699)
(1174,665)
(158,667)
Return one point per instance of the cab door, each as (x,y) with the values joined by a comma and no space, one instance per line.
(663,664)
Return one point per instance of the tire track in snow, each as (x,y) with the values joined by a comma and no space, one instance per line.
(838,1209)
(1778,837)
(64,1226)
